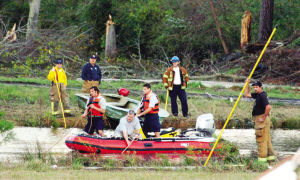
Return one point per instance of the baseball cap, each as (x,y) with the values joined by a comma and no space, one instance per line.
(174,59)
(58,61)
(93,57)
(257,83)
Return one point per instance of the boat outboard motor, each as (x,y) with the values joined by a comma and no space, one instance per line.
(205,122)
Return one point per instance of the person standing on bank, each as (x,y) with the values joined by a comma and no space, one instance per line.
(58,75)
(149,108)
(262,121)
(91,74)
(175,79)
(95,110)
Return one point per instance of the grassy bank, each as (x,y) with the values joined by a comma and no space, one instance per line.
(140,174)
(30,106)
(193,87)
(40,165)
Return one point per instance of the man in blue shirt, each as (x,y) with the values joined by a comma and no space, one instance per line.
(91,74)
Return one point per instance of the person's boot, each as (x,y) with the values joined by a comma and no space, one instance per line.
(67,108)
(54,108)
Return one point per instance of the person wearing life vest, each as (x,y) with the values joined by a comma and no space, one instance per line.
(95,110)
(58,75)
(149,107)
(175,80)
(262,121)
(91,74)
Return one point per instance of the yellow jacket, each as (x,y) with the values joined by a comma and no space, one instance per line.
(62,77)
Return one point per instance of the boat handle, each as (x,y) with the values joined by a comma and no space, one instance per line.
(148,144)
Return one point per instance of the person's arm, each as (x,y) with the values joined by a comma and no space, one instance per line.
(85,112)
(152,101)
(102,104)
(51,75)
(137,128)
(267,109)
(65,80)
(247,92)
(165,79)
(145,112)
(139,111)
(100,75)
(186,76)
(125,135)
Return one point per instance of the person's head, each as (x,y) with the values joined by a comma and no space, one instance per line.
(130,115)
(146,88)
(94,91)
(93,59)
(257,86)
(175,61)
(58,63)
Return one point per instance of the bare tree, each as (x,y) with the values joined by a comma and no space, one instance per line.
(265,20)
(32,24)
(218,28)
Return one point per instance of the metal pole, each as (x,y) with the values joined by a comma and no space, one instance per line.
(61,105)
(166,104)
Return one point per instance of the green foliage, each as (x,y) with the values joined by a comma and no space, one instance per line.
(295,43)
(5,127)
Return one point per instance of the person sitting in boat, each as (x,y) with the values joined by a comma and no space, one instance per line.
(129,126)
(149,108)
(94,111)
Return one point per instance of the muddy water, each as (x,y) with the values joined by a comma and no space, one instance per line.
(26,139)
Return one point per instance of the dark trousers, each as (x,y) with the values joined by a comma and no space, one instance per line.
(94,123)
(151,124)
(177,91)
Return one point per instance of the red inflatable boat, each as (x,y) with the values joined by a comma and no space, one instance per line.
(176,145)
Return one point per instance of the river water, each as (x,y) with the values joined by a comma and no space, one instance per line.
(26,139)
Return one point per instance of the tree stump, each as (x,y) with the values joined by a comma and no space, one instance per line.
(246,29)
(11,35)
(110,41)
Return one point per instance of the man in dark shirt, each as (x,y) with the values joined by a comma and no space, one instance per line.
(260,112)
(91,74)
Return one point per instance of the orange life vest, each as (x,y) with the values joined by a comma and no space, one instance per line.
(95,101)
(146,102)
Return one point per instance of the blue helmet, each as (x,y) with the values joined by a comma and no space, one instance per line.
(58,61)
(174,59)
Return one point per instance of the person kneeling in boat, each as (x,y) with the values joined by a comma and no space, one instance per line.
(129,126)
(95,110)
(149,108)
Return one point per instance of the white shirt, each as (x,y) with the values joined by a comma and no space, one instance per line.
(177,80)
(129,127)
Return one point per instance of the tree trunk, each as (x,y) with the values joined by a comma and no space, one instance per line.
(246,29)
(265,20)
(32,23)
(110,42)
(218,28)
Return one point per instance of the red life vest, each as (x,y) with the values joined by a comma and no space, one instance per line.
(146,102)
(95,101)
